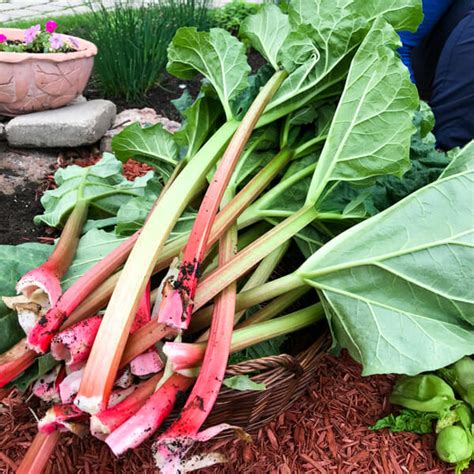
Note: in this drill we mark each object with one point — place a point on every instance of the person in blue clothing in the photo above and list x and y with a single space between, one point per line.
440 58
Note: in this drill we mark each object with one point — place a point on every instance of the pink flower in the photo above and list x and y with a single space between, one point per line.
3 38
50 26
56 41
32 33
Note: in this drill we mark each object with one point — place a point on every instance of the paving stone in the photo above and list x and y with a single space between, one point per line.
70 126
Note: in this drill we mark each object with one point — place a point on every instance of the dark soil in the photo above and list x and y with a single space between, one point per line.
169 88
16 216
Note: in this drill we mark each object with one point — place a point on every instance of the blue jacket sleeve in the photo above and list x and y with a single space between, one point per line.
433 10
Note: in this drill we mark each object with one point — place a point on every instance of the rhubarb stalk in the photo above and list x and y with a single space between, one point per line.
177 306
110 419
184 355
106 353
39 453
149 417
184 431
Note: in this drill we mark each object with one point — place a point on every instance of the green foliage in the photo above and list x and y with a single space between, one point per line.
410 421
102 184
364 278
231 15
217 55
243 383
426 393
132 42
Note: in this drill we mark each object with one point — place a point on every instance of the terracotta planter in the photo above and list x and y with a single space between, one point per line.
30 82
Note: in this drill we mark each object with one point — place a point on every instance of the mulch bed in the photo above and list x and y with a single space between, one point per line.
324 432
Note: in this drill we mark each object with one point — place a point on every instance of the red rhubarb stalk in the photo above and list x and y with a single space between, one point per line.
39 453
110 419
173 445
73 345
149 417
177 304
15 361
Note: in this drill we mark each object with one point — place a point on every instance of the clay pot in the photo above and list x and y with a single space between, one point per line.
30 82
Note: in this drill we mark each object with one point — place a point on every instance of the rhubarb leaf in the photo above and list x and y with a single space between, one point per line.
10 331
402 15
217 55
243 383
152 145
103 184
42 365
403 304
371 131
325 35
463 160
267 31
200 119
92 248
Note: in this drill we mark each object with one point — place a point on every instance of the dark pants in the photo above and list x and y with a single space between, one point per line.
444 71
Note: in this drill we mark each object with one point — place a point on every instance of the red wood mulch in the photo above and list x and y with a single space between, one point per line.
324 432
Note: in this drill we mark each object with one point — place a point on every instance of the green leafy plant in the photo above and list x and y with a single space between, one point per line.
230 16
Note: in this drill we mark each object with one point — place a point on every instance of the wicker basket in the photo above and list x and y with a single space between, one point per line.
286 378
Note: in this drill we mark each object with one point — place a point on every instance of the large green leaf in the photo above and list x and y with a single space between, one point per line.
200 119
153 145
401 14
371 130
325 35
267 31
217 55
398 288
103 184
463 160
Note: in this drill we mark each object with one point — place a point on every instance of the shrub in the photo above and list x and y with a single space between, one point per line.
231 15
132 42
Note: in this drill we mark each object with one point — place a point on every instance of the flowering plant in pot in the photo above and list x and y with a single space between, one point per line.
41 69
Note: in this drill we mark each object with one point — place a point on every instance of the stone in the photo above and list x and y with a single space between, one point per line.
70 126
18 168
3 135
145 116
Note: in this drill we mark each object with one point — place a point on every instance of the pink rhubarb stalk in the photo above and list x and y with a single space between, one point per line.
15 361
173 445
110 419
149 417
39 453
41 335
73 345
177 304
